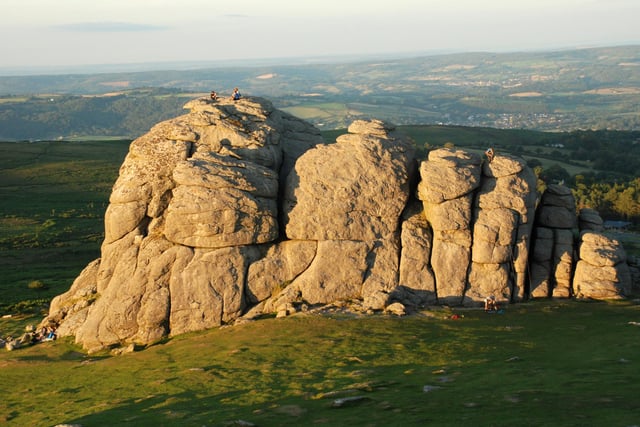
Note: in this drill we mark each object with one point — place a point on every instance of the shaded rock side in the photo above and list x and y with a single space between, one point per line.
416 275
589 219
556 224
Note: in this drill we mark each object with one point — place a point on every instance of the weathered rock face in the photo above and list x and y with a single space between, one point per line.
481 215
556 224
237 209
504 216
449 179
349 197
195 199
354 189
602 271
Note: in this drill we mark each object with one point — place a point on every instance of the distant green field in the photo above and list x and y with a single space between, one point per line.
52 201
10 99
552 91
317 110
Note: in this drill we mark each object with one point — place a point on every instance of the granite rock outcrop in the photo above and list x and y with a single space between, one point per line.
237 209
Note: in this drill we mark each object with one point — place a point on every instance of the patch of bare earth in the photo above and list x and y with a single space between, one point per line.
526 94
614 91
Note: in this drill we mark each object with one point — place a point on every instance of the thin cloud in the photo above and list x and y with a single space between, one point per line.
110 27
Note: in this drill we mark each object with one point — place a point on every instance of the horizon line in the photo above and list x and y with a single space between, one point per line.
194 64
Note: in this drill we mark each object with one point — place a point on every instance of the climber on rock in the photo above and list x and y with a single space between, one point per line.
490 154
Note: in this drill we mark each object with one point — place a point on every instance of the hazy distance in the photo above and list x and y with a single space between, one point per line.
70 33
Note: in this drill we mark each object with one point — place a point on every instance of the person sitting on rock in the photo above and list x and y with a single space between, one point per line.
236 94
214 95
490 304
42 333
51 334
490 154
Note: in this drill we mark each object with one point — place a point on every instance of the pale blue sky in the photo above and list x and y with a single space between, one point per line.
80 32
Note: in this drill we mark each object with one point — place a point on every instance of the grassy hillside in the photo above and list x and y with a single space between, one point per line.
539 364
53 196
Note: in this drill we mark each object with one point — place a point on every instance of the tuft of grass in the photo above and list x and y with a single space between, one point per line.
542 363
36 285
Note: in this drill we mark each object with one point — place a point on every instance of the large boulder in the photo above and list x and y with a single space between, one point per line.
354 189
349 197
602 271
502 227
220 201
196 198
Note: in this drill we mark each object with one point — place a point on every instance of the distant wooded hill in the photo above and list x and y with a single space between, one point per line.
126 114
560 91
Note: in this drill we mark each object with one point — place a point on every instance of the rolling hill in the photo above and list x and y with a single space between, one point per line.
567 90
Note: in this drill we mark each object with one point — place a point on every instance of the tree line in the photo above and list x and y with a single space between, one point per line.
619 200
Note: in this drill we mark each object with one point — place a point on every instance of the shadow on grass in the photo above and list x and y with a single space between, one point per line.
188 408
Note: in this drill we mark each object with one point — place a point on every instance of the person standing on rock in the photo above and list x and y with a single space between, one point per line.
490 154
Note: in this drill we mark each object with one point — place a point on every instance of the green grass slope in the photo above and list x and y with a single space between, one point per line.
53 196
545 363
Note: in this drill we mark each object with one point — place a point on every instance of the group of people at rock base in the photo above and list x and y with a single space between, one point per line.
46 333
235 95
490 304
